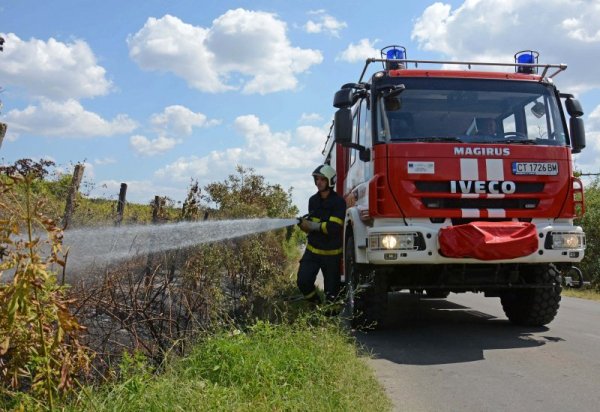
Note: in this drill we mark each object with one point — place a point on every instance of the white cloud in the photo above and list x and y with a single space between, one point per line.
52 69
105 161
359 52
10 136
213 164
430 30
170 45
143 146
324 23
286 158
561 30
248 43
179 121
173 123
310 118
594 118
311 136
65 119
273 150
579 29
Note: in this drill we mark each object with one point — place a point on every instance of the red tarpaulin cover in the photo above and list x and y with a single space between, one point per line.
489 240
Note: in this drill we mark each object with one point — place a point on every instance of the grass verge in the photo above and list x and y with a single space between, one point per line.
581 293
310 364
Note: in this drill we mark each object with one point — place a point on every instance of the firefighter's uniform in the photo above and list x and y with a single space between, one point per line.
324 248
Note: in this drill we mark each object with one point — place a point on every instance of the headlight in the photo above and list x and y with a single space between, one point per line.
565 240
389 241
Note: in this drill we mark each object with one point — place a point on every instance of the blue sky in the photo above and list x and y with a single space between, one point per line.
156 93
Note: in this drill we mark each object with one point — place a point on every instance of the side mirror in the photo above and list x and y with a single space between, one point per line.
342 126
573 107
577 134
392 90
343 131
538 110
343 98
364 154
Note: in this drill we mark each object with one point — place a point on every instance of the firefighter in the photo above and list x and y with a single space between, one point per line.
486 127
324 225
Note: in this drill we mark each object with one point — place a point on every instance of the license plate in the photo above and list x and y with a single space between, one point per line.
535 168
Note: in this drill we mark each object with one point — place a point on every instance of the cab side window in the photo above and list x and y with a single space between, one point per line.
364 132
355 132
509 124
539 126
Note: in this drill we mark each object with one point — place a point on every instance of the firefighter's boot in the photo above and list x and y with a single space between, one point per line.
313 298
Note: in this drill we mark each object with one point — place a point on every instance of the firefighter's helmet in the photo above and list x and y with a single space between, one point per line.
327 172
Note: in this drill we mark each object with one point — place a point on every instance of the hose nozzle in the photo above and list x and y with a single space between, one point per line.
300 218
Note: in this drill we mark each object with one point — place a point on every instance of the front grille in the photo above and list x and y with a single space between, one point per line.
444 187
461 203
464 220
507 203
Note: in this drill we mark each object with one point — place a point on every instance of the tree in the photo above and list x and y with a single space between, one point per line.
247 195
256 266
591 225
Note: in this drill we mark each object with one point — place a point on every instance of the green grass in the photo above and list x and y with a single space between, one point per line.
308 365
590 294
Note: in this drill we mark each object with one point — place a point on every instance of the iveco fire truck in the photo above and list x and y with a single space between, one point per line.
458 177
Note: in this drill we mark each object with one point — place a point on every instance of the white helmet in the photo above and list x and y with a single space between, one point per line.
327 172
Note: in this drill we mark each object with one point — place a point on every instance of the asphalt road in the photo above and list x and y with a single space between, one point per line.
462 354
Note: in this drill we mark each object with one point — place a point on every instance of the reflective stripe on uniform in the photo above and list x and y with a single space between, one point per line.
324 228
336 220
324 252
311 294
332 219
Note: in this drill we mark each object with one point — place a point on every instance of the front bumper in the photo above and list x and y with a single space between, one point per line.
555 244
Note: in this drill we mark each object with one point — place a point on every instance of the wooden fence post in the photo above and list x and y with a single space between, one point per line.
3 128
156 208
73 190
121 204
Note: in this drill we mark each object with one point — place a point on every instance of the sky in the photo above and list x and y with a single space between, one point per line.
157 93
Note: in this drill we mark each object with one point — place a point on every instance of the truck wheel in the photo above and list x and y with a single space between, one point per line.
366 292
537 306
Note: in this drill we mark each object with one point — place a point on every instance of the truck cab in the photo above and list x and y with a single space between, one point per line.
457 178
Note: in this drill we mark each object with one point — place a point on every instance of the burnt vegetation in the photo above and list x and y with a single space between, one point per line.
58 331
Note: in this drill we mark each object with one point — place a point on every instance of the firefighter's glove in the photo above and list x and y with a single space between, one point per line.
309 226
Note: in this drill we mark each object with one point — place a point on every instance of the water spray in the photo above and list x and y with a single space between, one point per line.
100 246
96 247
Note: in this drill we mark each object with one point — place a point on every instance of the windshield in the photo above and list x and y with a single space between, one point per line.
469 110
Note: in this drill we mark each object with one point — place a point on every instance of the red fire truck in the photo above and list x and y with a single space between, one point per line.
458 178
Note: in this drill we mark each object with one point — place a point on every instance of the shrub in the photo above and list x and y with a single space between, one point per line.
40 351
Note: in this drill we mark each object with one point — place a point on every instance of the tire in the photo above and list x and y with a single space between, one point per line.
366 292
437 293
537 306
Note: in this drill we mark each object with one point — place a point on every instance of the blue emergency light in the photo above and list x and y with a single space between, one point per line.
393 52
526 57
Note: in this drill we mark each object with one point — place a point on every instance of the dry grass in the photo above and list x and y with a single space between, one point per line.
589 294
